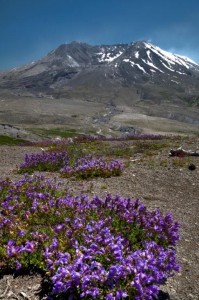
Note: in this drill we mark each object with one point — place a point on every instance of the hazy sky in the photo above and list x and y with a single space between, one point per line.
29 29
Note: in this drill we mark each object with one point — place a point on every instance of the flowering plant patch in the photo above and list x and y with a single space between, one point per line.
84 167
89 166
45 161
91 248
126 136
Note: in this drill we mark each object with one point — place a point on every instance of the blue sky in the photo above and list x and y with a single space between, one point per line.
29 29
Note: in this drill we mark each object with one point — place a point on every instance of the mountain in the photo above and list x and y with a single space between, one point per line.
138 76
128 64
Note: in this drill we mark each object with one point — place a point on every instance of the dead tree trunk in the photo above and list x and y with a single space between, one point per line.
181 152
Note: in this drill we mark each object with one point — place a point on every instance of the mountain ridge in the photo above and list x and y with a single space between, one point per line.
138 77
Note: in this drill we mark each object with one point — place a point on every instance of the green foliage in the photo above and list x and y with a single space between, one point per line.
137 234
64 133
149 148
54 132
181 161
118 151
7 140
33 260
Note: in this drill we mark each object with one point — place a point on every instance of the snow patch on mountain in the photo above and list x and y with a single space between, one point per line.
169 57
181 73
72 62
159 60
167 67
149 54
141 68
134 64
137 54
175 81
108 57
151 65
187 59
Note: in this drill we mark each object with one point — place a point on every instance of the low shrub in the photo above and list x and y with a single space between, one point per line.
91 248
8 140
45 161
88 167
83 167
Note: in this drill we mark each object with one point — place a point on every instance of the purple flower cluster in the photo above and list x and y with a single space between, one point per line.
83 167
106 263
126 136
89 166
45 161
99 248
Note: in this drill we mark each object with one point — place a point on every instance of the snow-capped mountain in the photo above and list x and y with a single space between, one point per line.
150 59
81 84
139 65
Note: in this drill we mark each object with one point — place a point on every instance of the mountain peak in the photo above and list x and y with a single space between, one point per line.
139 75
130 64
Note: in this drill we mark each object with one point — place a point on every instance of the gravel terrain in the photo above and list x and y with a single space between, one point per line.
157 182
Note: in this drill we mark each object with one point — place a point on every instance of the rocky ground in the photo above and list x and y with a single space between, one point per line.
159 181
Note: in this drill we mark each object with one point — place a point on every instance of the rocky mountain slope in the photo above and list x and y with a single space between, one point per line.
138 75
